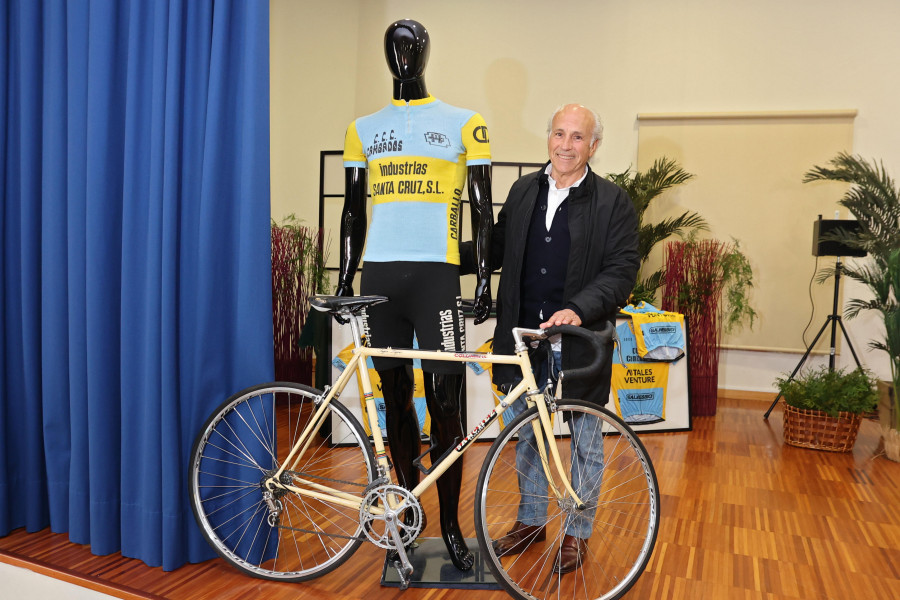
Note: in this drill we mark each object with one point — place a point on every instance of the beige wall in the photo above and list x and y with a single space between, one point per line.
312 56
748 183
515 60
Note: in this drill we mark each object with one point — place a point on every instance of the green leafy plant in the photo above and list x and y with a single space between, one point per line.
706 272
830 391
874 200
643 187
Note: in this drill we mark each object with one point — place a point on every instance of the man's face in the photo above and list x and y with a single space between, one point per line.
569 144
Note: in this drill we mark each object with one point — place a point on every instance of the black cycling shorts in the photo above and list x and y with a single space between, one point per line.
425 301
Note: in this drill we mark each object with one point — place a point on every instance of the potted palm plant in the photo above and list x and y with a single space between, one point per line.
642 188
823 407
874 200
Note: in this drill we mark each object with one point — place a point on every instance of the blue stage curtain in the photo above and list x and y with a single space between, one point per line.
135 258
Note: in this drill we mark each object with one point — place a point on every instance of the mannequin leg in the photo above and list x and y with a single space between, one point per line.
402 423
444 394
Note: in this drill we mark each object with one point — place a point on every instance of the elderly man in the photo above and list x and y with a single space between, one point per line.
567 242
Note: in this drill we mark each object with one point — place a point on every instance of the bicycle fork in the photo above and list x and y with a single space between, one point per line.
543 437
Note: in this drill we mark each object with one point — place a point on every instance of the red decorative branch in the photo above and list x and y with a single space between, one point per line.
694 282
297 259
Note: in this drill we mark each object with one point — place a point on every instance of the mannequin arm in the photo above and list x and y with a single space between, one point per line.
353 228
482 223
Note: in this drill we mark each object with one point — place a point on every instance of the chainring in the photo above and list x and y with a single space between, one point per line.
386 504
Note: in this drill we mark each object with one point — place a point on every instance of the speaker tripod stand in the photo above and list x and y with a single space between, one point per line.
834 319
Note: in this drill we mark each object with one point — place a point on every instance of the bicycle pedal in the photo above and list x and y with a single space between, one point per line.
404 582
404 573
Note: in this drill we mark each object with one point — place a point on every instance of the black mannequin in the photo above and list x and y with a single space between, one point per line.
406 45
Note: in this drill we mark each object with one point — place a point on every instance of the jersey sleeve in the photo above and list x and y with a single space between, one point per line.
476 141
354 156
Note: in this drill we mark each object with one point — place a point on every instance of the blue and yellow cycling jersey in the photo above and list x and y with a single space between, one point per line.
416 154
660 334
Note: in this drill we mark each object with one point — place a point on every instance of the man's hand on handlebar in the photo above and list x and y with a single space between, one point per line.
597 339
566 316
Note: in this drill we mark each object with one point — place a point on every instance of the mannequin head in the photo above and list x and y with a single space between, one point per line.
406 47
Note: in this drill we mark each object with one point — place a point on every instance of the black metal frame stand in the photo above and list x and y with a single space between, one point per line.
835 319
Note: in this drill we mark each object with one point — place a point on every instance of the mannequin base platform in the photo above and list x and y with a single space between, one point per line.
432 568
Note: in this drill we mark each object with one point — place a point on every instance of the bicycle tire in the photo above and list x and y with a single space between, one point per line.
240 445
626 499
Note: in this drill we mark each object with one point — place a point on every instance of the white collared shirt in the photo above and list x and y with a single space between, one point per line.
555 196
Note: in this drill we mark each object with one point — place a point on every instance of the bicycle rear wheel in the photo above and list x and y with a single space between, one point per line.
241 445
614 477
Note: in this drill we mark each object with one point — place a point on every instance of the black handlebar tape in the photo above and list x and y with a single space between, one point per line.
597 340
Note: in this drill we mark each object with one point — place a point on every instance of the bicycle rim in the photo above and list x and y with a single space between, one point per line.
623 491
241 445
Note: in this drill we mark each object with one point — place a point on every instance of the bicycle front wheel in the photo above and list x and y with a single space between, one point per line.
615 527
241 445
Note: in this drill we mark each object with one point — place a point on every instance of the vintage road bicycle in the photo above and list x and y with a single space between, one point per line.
286 484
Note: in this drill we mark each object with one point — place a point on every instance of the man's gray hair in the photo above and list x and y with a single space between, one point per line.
596 134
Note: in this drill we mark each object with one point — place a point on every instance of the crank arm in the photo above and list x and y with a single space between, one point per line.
403 566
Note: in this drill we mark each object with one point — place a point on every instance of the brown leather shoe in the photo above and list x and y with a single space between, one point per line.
571 554
519 538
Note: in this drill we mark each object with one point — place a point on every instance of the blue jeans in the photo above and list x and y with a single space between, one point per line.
587 465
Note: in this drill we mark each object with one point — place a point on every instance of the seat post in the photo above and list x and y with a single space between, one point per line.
355 328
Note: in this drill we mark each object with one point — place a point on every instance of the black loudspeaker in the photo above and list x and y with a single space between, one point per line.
823 227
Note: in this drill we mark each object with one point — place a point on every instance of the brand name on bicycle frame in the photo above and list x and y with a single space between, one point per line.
472 355
478 429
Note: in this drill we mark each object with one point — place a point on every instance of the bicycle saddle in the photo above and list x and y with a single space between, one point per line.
352 304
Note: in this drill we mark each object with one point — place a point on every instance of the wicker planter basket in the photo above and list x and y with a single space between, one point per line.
815 429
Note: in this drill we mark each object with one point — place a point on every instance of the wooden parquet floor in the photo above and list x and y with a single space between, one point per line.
743 517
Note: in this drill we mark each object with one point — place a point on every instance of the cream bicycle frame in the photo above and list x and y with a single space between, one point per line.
357 366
